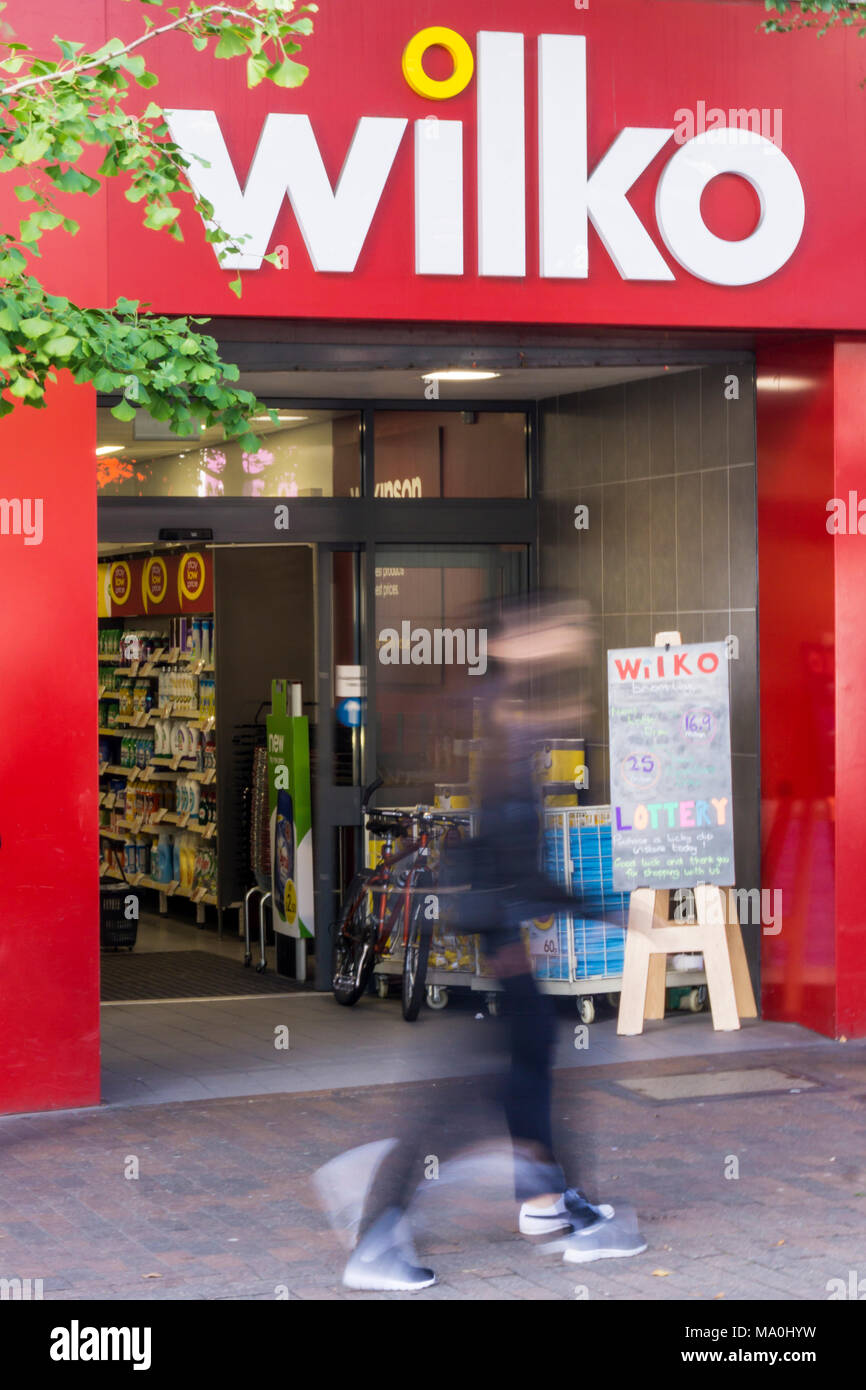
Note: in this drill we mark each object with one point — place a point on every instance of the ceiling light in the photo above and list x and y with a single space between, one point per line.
110 449
460 374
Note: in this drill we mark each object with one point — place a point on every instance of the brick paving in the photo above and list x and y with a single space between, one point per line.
223 1209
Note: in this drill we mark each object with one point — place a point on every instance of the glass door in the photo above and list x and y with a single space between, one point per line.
430 644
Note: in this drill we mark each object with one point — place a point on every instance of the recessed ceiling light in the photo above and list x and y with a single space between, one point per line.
460 374
110 448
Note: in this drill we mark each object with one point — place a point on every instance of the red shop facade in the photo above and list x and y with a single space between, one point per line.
654 183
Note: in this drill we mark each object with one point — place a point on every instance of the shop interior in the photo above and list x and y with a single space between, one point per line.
192 632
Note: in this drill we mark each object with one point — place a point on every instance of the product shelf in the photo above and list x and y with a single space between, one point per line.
154 827
171 890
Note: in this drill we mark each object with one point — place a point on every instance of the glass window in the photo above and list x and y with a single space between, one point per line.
432 658
307 453
465 453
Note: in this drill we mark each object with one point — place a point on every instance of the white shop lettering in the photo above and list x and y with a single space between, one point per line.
335 221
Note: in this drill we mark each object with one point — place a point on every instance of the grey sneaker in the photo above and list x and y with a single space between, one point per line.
570 1213
611 1237
343 1183
384 1260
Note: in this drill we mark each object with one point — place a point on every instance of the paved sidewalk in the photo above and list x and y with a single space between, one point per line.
196 1050
222 1207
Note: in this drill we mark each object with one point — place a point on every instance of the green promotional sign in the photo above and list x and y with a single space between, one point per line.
290 816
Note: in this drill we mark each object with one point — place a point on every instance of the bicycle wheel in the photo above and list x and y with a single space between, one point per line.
354 943
417 951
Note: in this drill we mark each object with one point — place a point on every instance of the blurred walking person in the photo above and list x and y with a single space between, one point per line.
497 886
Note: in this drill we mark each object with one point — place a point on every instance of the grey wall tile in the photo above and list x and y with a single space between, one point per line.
589 423
744 538
744 684
613 546
688 542
639 630
611 405
714 535
714 418
637 428
588 548
687 421
662 416
741 418
663 560
638 594
690 626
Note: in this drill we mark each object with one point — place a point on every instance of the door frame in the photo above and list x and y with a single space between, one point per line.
363 524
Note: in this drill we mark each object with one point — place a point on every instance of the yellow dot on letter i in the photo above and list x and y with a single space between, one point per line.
459 52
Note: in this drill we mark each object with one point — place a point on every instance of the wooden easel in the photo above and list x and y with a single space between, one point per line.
651 937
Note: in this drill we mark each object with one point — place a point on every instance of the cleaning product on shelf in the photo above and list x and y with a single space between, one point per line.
163 858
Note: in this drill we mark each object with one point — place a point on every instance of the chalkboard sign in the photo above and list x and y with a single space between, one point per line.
670 766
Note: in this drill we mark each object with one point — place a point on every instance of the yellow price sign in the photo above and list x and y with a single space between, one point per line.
290 903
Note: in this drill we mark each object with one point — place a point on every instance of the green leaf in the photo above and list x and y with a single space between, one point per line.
232 43
35 327
32 147
69 50
257 69
157 218
123 411
74 181
288 73
62 346
235 286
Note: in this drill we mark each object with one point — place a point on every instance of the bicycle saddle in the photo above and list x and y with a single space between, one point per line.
381 828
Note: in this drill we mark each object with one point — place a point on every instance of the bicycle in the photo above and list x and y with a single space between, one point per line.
389 903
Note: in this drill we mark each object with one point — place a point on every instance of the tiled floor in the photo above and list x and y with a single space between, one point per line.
157 933
195 1051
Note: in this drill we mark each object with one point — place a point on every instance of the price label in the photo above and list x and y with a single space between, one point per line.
173 654
134 774
183 820
103 768
159 815
209 776
136 824
148 772
110 799
172 887
168 709
210 830
198 894
175 762
135 878
101 798
133 668
101 691
157 654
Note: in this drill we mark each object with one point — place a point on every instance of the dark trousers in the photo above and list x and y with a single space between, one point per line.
527 1028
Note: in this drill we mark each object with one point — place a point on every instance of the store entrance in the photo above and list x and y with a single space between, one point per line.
190 640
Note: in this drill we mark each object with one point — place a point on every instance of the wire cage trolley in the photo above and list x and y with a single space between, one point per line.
577 955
